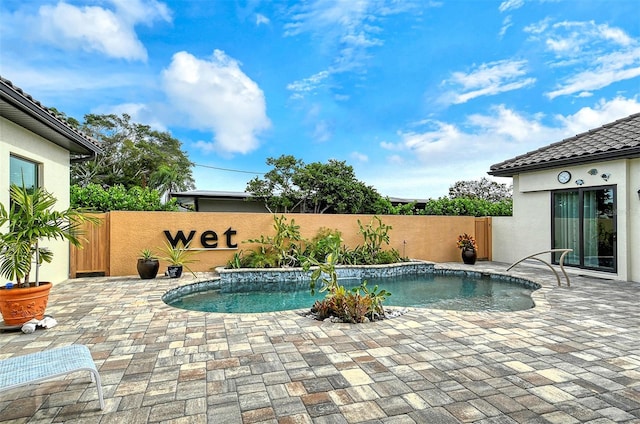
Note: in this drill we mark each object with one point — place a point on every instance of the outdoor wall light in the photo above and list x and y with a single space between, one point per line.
605 176
579 182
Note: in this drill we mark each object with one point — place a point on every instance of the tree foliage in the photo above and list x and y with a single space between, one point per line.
317 187
277 189
118 198
467 207
481 189
133 155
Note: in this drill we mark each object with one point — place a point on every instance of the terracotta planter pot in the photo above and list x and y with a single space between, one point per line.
19 305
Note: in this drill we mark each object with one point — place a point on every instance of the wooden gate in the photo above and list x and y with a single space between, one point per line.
92 259
483 238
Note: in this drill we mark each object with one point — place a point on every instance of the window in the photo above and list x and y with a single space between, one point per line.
584 220
22 171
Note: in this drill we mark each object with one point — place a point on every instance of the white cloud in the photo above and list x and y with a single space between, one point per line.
510 5
345 29
578 38
322 131
93 28
486 80
262 20
307 85
603 112
139 112
604 71
442 153
359 157
600 55
616 35
142 11
506 24
216 95
538 27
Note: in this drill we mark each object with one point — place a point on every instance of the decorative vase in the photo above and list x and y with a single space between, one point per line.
469 256
148 268
19 305
174 271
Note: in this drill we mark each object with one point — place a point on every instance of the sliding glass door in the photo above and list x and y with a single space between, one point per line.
584 220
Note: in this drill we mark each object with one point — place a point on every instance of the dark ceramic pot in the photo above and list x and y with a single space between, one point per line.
148 268
469 256
174 271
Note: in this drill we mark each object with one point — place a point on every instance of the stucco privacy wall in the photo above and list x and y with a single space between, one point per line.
420 237
633 237
529 230
54 176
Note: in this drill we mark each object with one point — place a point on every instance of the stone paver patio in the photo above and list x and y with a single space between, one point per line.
574 358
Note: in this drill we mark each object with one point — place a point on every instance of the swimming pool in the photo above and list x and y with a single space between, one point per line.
461 292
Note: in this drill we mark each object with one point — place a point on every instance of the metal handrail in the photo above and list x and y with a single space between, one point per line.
561 262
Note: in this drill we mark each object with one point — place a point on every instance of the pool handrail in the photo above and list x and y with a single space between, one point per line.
560 262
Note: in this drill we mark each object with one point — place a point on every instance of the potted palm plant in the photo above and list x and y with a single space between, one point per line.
148 264
30 218
179 257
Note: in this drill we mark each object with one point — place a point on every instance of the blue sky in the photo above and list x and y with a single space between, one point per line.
415 95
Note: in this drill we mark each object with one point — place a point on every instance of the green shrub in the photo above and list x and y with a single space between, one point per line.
355 306
287 248
324 242
467 207
284 248
117 198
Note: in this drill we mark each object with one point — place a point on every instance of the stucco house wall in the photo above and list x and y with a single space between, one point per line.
633 213
529 229
23 122
54 166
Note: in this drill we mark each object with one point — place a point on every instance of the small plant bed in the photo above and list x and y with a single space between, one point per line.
358 305
322 311
388 314
287 248
320 256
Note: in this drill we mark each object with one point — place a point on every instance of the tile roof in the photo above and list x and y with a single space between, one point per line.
22 109
616 140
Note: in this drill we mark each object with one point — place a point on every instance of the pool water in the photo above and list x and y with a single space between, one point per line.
451 292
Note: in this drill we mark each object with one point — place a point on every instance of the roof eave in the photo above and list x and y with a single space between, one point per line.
19 109
596 157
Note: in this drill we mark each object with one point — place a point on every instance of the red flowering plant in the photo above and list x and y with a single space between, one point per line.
465 241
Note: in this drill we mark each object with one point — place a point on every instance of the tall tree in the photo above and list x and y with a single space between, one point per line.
333 187
133 155
483 189
277 189
318 187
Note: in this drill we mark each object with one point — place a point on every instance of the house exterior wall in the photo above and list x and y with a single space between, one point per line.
226 205
529 229
633 237
54 176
